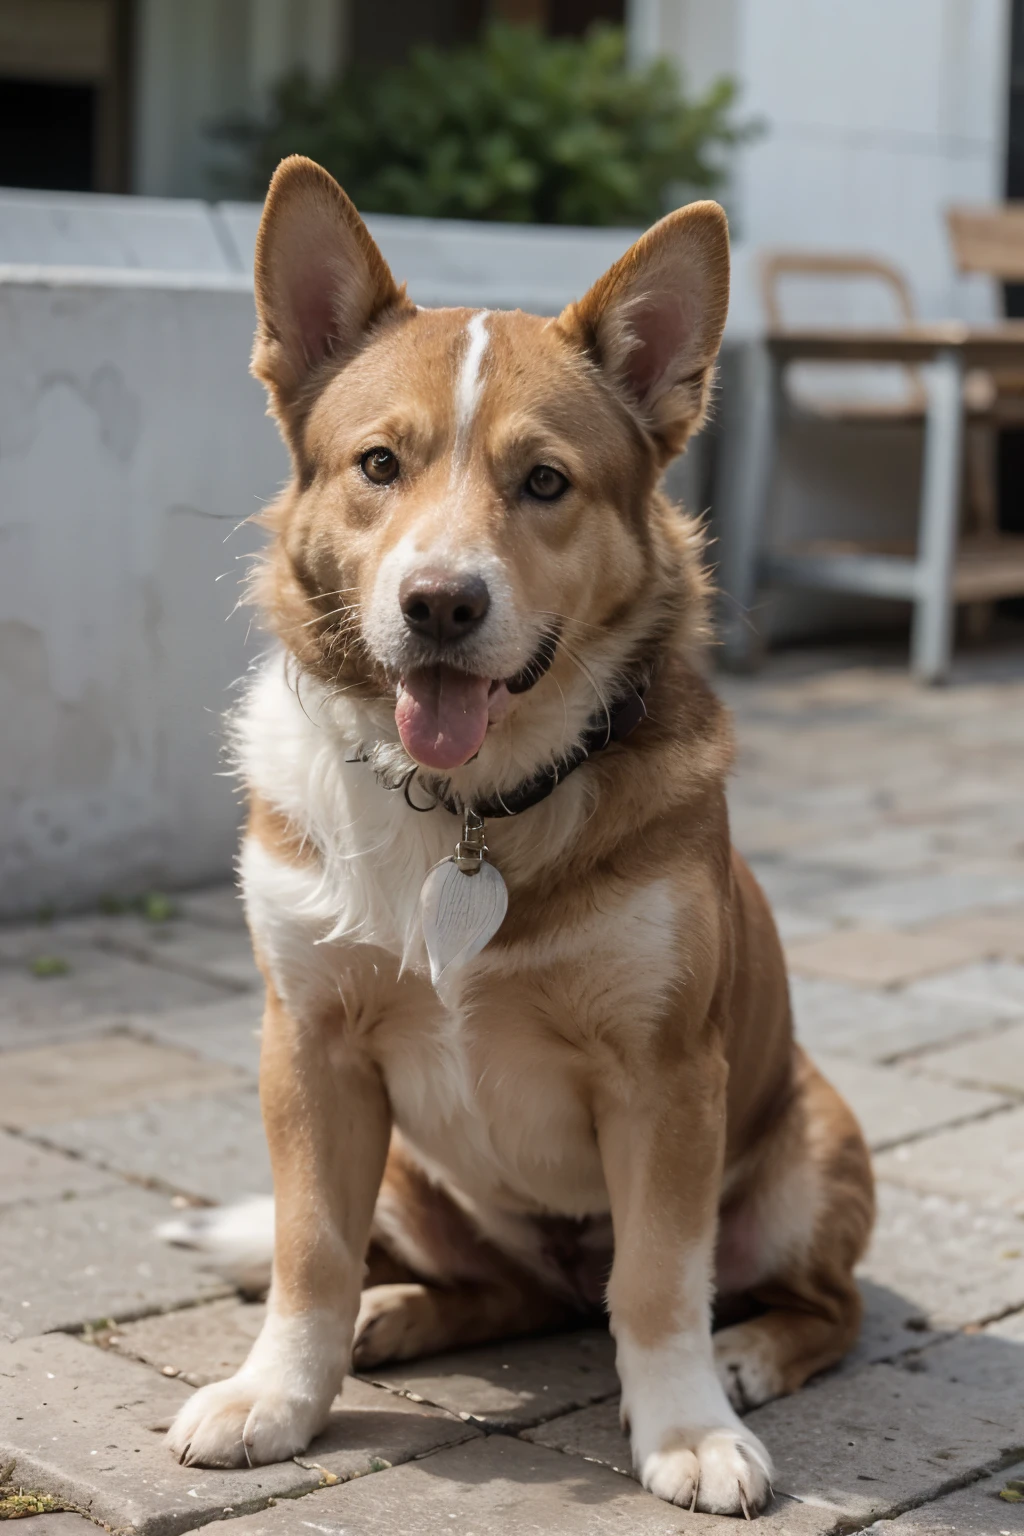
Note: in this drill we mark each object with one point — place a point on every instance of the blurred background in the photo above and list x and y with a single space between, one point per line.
505 152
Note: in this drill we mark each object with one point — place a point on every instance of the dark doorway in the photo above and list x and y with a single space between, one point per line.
383 31
65 77
47 135
573 17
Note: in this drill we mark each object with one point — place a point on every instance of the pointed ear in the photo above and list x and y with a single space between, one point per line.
654 321
320 280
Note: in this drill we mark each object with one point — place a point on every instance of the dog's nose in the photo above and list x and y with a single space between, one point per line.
443 607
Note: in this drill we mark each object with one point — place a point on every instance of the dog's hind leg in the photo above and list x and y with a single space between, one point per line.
404 1321
790 1243
434 1283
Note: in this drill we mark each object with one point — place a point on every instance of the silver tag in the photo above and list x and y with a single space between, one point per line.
463 903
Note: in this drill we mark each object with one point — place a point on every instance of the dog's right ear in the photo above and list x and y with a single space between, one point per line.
320 280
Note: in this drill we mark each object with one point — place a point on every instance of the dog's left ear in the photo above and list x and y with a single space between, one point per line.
654 321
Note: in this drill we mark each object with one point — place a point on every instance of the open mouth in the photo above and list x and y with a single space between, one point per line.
443 713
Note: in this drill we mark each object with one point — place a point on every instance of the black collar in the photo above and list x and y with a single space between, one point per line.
619 721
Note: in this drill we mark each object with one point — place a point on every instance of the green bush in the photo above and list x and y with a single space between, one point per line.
518 127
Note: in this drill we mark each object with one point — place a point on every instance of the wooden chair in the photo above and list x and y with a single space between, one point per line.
911 404
908 403
991 241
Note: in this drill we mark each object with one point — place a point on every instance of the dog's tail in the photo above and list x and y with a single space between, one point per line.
237 1240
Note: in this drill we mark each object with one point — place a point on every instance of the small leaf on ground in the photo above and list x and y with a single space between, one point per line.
49 965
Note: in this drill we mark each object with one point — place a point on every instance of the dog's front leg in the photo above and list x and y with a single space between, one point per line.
328 1123
661 1139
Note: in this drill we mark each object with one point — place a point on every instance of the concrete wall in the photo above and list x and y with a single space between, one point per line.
133 442
877 114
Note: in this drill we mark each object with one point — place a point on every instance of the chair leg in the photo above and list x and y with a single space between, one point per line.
931 640
982 509
746 466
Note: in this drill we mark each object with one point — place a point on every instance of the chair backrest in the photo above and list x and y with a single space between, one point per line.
825 264
845 274
989 240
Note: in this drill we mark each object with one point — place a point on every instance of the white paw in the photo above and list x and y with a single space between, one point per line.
244 1421
745 1363
720 1471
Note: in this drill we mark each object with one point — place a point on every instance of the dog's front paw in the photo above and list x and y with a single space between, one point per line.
720 1471
243 1422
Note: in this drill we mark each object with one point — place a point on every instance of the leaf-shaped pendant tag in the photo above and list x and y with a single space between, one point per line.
461 914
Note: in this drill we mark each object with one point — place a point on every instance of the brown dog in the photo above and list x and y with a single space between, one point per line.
484 601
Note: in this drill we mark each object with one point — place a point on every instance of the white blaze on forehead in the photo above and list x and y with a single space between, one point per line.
467 388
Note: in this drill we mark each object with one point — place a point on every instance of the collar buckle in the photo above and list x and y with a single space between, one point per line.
471 849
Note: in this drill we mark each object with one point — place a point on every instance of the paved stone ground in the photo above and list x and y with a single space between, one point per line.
887 824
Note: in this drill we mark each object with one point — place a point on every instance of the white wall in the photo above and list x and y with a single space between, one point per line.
877 115
133 443
198 62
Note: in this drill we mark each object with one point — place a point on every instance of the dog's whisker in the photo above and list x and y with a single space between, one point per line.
591 679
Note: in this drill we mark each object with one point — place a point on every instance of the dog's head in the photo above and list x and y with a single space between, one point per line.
472 533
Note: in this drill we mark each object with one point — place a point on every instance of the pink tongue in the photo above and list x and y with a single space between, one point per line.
441 715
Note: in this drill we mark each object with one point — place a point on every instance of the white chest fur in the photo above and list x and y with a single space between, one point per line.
494 1096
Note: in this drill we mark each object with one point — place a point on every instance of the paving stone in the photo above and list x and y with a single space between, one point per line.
218 905
799 925
760 832
62 1525
512 1385
855 1446
880 957
211 1147
951 1262
493 1487
893 1104
925 898
198 1344
973 1511
995 987
892 1325
869 1443
70 1262
214 954
994 1060
885 849
43 1087
227 1031
991 1363
876 1026
88 1428
28 1172
97 987
197 937
1009 1327
791 884
999 934
982 1161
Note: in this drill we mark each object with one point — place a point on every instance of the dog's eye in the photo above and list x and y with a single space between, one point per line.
545 483
379 465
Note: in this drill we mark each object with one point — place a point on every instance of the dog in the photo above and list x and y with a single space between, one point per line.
527 1051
